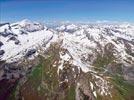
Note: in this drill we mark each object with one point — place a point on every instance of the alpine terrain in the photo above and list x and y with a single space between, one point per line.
66 62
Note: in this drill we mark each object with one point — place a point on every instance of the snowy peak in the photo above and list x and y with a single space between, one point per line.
67 28
25 21
29 26
18 37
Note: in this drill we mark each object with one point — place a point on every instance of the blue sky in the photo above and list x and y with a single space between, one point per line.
67 10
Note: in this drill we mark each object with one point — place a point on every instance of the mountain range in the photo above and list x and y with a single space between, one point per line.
66 62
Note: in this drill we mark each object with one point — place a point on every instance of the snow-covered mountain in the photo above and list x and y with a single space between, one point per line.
18 38
92 59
